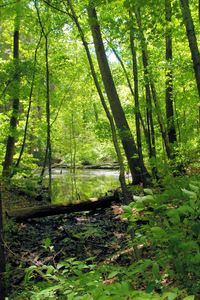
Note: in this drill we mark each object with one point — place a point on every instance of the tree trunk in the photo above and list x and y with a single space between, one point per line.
117 111
137 106
105 107
50 210
151 84
2 253
10 145
150 135
191 35
171 131
48 153
131 90
48 116
29 107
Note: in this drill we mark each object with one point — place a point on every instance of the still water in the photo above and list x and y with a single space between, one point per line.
84 184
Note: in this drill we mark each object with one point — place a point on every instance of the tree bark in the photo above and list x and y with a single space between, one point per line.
137 105
48 152
117 111
131 89
191 35
105 107
50 210
150 135
10 145
171 131
29 107
148 78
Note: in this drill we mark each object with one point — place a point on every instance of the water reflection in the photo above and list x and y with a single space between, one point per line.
68 187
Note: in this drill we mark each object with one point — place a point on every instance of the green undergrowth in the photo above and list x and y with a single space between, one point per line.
164 242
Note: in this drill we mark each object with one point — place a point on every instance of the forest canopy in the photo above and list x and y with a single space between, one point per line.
56 71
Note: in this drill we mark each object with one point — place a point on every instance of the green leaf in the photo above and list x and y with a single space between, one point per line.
185 209
144 199
158 232
169 296
173 214
195 259
138 198
191 195
194 188
46 243
155 270
150 287
113 274
148 191
191 297
127 209
148 198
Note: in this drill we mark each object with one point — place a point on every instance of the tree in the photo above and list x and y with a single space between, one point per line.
117 111
29 106
136 98
103 102
192 40
10 145
48 153
171 131
148 77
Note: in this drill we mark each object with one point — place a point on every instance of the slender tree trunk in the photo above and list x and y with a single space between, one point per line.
137 106
171 131
151 131
150 135
103 102
96 112
48 116
131 89
191 35
29 105
48 153
199 10
151 84
44 163
117 111
2 252
10 145
73 148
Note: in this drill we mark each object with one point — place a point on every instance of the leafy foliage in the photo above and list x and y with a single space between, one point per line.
170 227
164 238
73 279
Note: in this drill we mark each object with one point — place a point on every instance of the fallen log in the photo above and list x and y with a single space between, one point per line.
50 210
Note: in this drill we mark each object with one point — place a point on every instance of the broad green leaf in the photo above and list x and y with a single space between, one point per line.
146 199
194 188
148 191
191 297
113 274
127 209
190 194
169 296
138 198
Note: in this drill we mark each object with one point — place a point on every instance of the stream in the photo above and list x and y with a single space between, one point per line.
84 184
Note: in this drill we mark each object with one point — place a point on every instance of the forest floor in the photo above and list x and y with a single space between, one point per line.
100 237
101 234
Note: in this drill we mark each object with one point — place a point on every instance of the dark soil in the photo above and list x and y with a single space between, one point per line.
48 240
